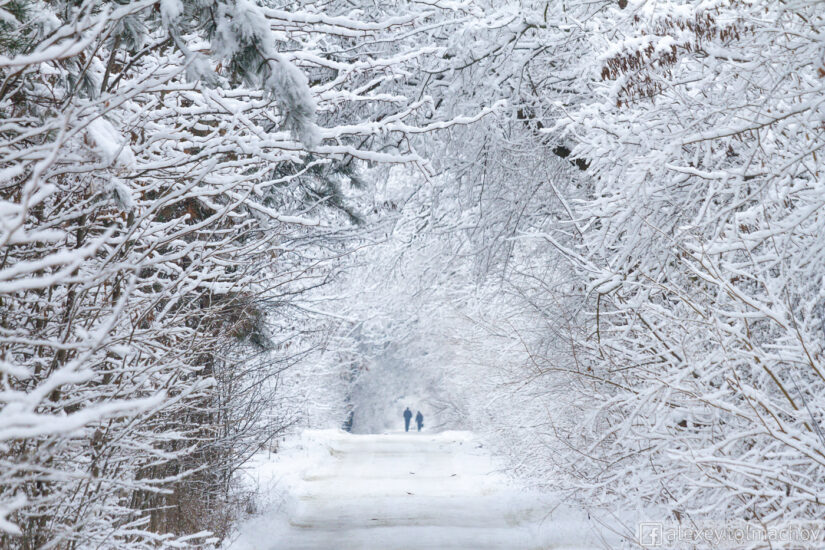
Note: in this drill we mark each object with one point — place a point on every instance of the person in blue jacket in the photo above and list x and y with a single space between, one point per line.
419 420
407 418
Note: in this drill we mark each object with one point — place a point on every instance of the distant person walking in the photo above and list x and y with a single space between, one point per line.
407 418
419 419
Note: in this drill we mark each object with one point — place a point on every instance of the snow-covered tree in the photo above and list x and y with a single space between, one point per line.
643 222
174 178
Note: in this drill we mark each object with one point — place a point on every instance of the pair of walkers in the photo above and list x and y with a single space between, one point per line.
419 419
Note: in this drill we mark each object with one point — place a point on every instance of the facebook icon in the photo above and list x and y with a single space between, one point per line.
650 534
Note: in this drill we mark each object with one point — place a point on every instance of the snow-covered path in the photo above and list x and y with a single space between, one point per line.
405 491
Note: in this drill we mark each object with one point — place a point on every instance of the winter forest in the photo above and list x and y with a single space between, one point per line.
590 232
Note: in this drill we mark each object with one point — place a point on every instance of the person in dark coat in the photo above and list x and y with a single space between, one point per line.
407 418
419 419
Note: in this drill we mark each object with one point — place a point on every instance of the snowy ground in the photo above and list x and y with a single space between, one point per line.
330 490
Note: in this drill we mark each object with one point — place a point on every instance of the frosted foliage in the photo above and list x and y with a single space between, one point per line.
111 146
167 243
590 233
243 35
290 86
623 268
170 11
